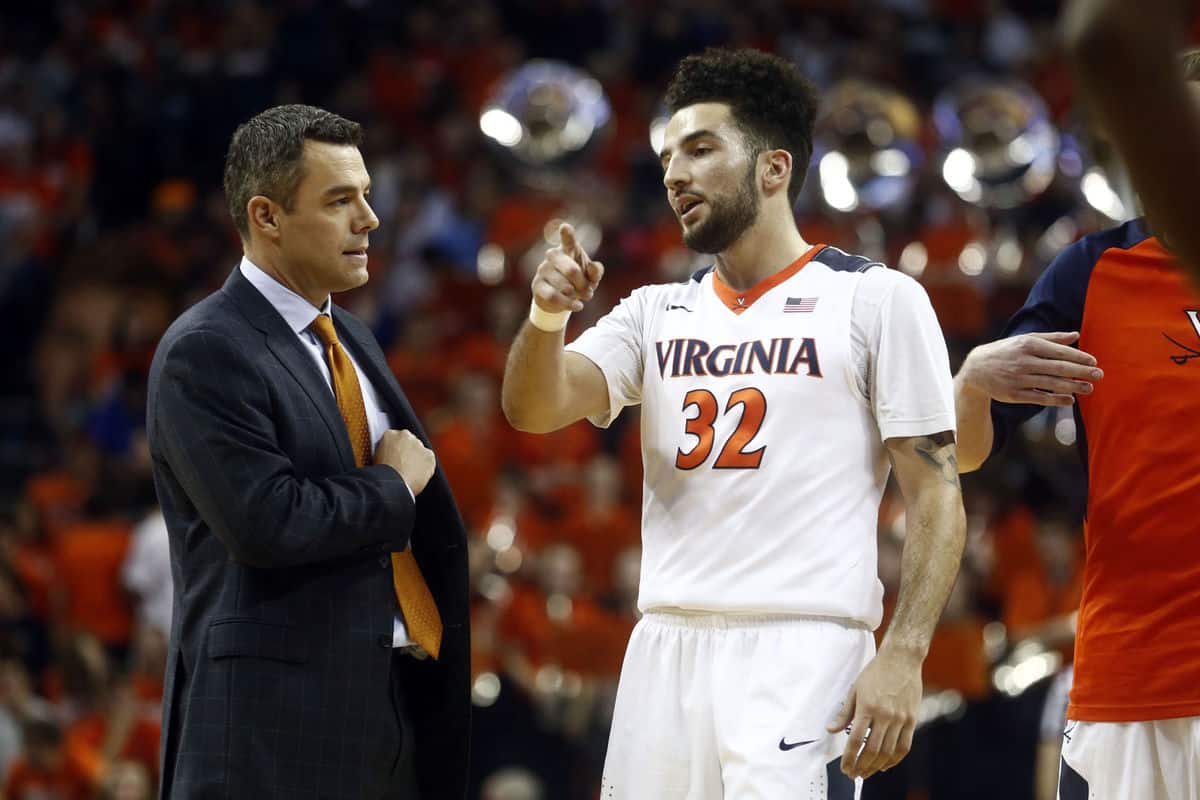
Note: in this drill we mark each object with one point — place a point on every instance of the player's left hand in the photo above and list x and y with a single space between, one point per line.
882 702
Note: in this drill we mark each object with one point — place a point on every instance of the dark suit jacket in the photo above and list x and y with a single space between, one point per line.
278 674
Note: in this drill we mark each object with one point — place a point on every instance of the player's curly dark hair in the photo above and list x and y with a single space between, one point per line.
773 104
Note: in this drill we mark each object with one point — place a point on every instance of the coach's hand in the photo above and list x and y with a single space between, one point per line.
567 278
1039 368
884 701
404 452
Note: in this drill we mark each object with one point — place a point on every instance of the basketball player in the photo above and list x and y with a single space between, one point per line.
775 388
1133 727
1124 59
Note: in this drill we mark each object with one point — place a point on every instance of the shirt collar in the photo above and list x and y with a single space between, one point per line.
297 312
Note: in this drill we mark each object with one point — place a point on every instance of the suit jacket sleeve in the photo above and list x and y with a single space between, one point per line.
213 418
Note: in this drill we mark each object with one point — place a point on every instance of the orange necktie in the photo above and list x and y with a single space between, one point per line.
420 611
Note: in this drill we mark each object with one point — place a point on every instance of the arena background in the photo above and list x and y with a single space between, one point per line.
949 146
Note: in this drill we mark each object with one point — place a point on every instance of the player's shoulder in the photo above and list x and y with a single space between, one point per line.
1123 237
874 280
869 275
838 260
1082 254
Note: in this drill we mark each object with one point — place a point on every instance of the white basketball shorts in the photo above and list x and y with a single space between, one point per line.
720 706
1157 760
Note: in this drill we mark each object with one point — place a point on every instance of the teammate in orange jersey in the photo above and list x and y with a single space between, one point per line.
775 387
1133 726
1123 52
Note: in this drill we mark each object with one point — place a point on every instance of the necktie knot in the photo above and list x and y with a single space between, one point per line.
322 326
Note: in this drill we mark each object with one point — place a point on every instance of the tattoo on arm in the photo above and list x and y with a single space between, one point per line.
935 452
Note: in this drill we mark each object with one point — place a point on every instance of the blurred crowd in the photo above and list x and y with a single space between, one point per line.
114 118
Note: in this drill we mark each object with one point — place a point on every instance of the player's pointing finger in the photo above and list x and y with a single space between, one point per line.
570 245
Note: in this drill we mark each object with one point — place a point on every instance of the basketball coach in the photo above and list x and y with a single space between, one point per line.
319 647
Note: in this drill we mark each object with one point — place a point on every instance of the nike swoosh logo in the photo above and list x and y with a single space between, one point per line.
784 746
678 308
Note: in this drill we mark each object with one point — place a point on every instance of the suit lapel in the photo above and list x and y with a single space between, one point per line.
285 345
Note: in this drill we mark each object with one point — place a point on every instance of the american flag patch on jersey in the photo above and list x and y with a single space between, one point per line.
799 304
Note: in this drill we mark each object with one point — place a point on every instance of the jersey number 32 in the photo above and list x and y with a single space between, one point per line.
733 453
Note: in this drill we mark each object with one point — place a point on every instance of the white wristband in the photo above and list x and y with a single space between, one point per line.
548 321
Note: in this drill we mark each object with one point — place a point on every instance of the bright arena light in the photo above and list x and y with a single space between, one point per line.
1020 151
501 535
834 170
1008 256
1025 672
576 132
892 163
958 170
834 166
509 561
972 259
501 126
1100 195
913 259
489 264
485 690
841 195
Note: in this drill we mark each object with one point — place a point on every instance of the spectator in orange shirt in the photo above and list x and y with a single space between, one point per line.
88 557
485 349
118 730
469 445
516 519
957 660
44 772
565 651
602 525
110 723
418 360
1041 599
31 556
57 496
553 629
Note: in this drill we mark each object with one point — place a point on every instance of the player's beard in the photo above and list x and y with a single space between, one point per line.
729 216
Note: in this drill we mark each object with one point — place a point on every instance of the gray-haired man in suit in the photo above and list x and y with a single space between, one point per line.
319 647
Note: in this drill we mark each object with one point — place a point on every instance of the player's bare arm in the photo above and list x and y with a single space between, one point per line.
544 387
884 700
1125 60
1039 368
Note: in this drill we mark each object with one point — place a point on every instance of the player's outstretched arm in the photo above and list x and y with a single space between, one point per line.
1034 368
885 698
1125 56
544 387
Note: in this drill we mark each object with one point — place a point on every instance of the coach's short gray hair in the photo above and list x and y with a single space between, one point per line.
266 155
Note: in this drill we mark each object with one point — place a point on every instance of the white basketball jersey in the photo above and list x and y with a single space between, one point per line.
764 463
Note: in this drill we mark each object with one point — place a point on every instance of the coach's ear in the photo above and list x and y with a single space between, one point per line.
263 215
776 171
